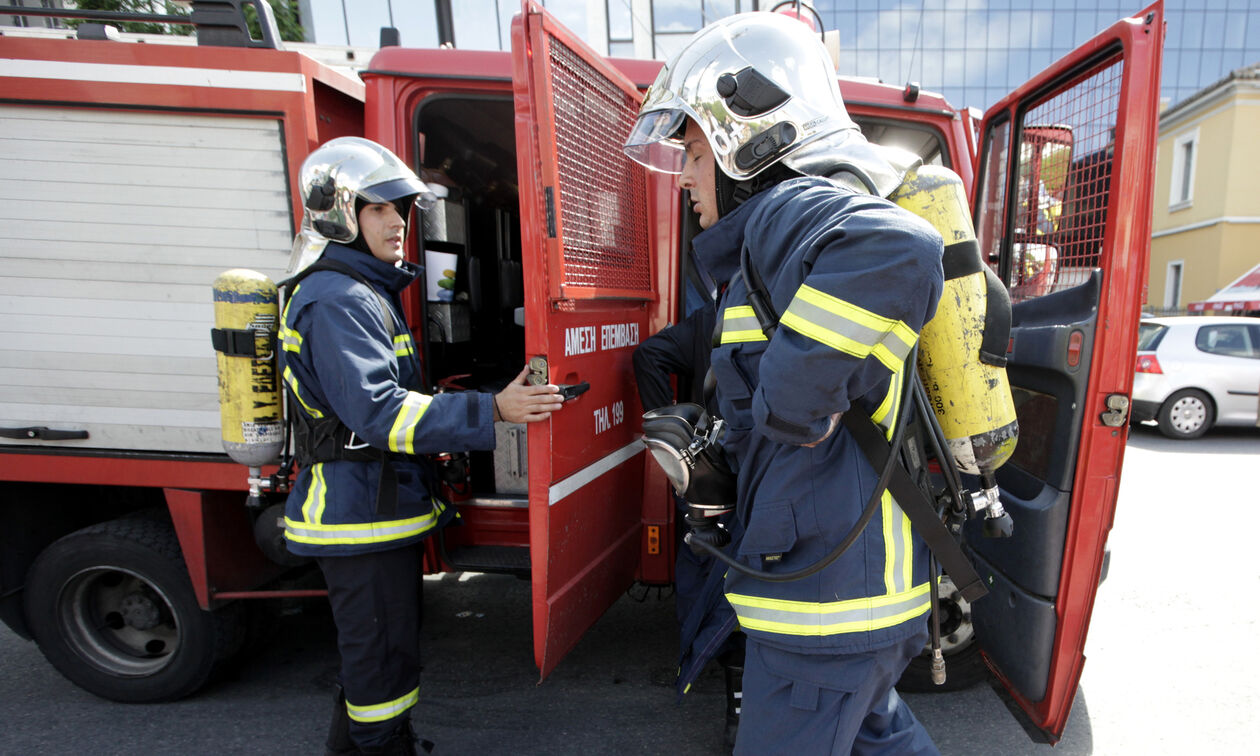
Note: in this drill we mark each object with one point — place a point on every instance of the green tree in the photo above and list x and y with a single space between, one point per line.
285 11
136 6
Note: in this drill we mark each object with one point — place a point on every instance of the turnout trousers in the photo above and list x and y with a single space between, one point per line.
810 704
376 600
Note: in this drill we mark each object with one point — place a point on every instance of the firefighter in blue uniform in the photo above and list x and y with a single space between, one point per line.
750 115
362 503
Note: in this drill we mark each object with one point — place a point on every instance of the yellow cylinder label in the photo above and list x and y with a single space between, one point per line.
971 399
249 390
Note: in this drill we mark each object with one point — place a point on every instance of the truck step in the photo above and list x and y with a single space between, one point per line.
512 560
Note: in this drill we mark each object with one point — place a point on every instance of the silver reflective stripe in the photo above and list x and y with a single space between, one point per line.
290 339
740 324
862 335
381 712
896 546
402 434
805 618
306 532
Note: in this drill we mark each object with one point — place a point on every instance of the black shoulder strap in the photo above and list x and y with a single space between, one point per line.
916 506
391 324
923 516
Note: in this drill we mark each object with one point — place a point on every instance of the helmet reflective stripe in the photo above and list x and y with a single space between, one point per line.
760 86
383 711
848 328
343 170
830 618
360 533
402 435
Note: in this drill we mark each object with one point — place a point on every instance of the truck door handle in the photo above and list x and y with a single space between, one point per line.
573 390
41 433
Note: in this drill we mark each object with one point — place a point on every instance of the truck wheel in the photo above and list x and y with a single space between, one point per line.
1186 414
112 608
963 665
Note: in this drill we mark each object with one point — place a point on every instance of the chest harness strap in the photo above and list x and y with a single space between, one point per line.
327 439
884 458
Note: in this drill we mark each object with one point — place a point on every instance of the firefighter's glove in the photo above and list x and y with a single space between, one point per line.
520 402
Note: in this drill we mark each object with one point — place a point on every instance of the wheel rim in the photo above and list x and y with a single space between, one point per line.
118 621
957 631
1187 414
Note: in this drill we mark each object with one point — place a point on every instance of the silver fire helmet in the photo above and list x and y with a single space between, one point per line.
760 85
344 169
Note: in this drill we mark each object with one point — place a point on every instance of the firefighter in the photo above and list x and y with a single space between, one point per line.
705 619
364 501
749 114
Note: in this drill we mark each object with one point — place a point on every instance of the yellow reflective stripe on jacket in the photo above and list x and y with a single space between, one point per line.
403 435
290 339
739 324
358 533
403 345
830 618
316 495
848 328
291 379
898 546
886 413
383 711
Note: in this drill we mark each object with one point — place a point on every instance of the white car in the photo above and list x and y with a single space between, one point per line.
1194 372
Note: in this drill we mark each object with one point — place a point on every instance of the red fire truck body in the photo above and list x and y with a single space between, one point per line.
168 164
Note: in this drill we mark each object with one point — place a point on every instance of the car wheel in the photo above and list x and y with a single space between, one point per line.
1186 414
963 665
112 608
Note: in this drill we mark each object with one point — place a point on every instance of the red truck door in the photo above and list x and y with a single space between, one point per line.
1063 211
589 282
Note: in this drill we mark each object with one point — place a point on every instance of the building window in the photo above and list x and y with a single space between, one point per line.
1185 156
1172 286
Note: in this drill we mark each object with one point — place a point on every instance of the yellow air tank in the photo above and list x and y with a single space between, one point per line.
246 318
962 360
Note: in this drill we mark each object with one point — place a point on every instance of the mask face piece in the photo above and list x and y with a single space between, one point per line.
687 443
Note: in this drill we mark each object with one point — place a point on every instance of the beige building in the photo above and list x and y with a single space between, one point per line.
1205 232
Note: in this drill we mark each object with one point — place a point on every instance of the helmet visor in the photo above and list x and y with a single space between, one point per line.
655 142
397 188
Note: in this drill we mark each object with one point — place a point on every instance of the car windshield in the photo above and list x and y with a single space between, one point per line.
1149 335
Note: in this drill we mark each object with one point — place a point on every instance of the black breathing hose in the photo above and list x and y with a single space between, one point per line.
911 377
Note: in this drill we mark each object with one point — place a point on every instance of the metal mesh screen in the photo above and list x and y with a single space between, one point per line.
603 197
1065 150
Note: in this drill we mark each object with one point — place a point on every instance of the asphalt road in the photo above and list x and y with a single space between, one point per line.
1172 666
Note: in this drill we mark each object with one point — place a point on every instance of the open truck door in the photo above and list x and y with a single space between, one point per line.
1063 211
589 283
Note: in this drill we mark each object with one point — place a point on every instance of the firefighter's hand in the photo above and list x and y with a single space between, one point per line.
831 428
519 402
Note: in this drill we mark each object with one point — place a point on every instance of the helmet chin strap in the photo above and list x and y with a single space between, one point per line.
732 193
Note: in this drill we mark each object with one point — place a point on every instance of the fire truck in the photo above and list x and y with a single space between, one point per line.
137 172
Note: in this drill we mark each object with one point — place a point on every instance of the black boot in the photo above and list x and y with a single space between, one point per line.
734 700
401 743
339 742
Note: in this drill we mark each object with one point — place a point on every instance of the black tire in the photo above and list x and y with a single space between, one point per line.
112 608
1186 414
963 665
